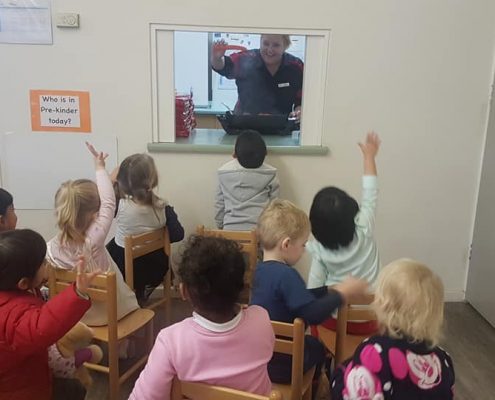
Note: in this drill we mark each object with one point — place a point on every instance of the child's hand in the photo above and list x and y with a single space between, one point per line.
351 288
371 145
84 279
99 157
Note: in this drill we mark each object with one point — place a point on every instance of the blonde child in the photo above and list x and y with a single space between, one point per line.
140 210
404 360
222 343
283 230
343 231
28 325
84 213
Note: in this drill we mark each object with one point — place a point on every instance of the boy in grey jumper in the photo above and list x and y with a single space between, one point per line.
245 184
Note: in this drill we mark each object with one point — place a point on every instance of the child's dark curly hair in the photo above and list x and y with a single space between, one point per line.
212 269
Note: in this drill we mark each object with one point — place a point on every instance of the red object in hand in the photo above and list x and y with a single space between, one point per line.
230 47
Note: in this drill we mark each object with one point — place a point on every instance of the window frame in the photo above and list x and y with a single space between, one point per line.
163 78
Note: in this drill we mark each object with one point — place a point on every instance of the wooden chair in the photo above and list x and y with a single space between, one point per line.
202 391
140 245
289 339
104 289
249 245
339 343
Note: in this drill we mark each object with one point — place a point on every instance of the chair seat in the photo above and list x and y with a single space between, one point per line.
127 325
286 389
328 338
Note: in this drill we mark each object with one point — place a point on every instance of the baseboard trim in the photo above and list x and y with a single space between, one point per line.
455 296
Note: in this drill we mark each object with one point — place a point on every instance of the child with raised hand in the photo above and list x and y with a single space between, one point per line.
140 210
344 242
246 184
28 325
403 361
61 367
283 230
344 232
85 211
222 343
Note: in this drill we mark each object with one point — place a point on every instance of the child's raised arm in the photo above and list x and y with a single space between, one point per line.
99 228
99 157
370 149
366 216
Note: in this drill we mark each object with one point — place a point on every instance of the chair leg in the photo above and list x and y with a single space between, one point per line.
167 294
149 336
113 364
167 311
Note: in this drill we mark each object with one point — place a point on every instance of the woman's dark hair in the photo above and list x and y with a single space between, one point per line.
332 217
6 200
22 253
250 149
212 269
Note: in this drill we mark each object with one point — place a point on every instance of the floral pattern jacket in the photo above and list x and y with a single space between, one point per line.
386 368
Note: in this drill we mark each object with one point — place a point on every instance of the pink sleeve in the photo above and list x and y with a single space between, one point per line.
155 382
98 230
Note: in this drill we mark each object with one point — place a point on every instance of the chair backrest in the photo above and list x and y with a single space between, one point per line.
139 245
246 239
202 391
289 339
350 312
103 290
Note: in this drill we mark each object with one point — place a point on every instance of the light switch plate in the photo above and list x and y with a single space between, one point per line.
67 20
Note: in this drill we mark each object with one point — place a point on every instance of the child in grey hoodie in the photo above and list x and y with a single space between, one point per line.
245 184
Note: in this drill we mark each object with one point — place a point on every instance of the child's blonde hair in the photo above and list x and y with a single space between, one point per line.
281 219
76 202
137 177
409 302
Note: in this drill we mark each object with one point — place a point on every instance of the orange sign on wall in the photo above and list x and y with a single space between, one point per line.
60 110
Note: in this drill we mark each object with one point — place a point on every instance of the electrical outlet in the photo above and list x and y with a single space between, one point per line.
67 20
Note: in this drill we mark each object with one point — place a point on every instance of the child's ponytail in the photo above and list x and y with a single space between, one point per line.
137 178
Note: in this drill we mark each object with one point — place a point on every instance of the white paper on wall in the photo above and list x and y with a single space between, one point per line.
33 165
25 21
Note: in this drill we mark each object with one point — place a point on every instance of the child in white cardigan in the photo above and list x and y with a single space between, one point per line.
140 210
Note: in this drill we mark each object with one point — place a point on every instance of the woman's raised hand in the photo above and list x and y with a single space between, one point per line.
219 49
99 157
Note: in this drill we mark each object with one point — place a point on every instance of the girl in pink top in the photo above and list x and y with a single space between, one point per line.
222 343
85 212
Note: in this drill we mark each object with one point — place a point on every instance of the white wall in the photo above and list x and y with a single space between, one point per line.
417 72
